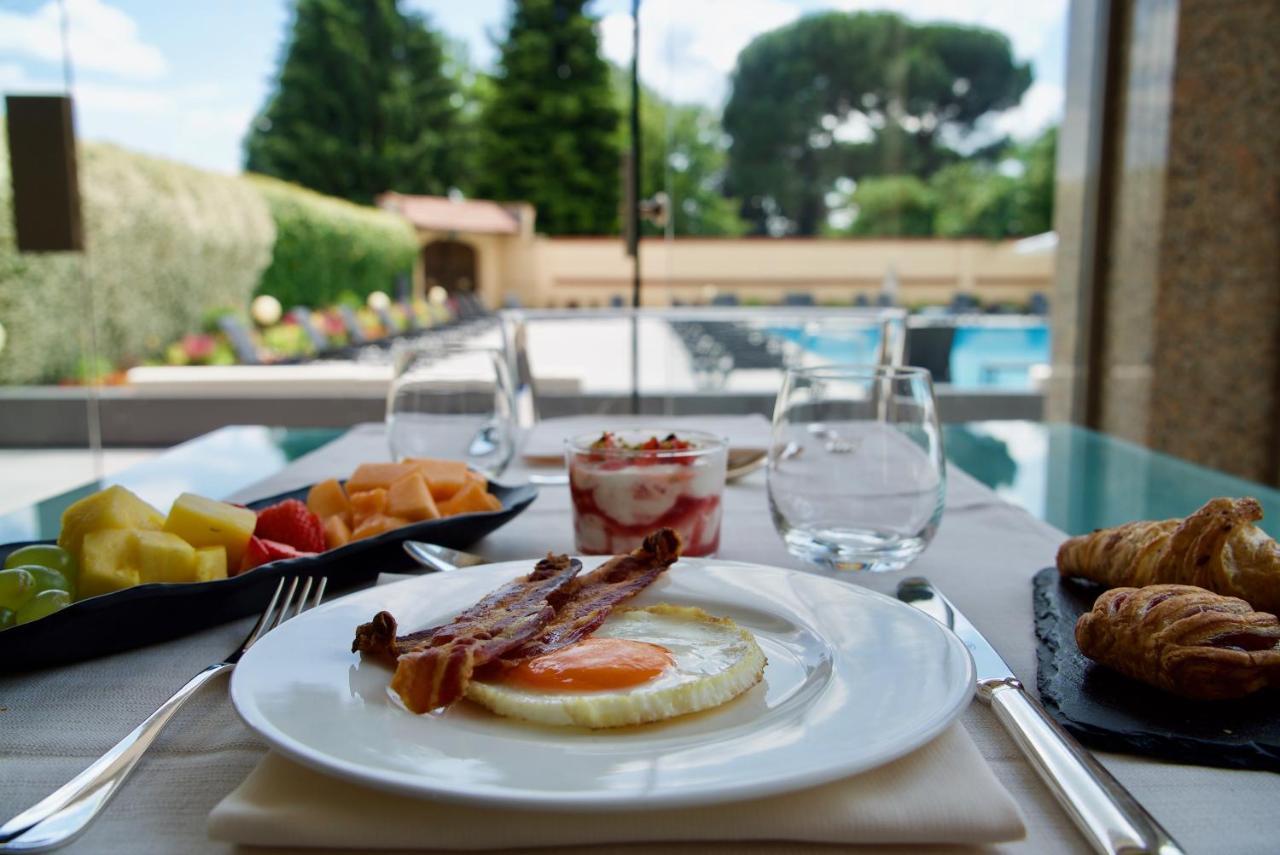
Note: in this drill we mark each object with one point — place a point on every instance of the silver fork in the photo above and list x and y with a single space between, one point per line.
66 812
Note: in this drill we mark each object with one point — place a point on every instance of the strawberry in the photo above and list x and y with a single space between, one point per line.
262 551
291 522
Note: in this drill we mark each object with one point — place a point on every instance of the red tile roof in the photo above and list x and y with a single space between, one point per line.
442 214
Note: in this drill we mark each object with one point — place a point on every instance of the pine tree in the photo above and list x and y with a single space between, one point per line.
361 104
549 129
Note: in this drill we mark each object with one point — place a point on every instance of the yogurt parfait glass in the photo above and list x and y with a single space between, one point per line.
628 483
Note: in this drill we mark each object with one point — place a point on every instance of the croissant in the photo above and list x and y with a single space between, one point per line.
1218 548
1183 639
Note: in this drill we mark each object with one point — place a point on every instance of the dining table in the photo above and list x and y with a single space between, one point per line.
1015 490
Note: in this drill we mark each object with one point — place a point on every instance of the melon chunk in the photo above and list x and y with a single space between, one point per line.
377 524
367 503
327 499
409 498
336 532
444 477
108 562
164 557
469 499
211 563
371 476
112 508
205 522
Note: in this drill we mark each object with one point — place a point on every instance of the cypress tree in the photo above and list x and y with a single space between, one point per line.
361 104
549 130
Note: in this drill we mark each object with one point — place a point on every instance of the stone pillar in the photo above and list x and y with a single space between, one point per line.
1176 341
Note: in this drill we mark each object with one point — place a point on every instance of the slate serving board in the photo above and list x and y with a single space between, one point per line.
1109 711
147 614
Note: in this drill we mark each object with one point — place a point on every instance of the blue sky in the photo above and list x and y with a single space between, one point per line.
184 79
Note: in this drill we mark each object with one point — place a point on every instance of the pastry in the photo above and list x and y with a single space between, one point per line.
1218 548
1183 639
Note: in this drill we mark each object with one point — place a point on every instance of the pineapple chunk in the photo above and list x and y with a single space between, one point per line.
409 498
204 522
108 562
211 563
112 508
164 557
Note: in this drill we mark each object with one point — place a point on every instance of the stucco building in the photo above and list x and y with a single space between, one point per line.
492 248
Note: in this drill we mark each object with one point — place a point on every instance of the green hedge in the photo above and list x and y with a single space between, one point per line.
327 248
165 245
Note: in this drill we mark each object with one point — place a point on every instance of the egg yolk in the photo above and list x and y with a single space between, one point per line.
594 664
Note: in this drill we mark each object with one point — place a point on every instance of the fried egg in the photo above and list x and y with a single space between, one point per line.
642 665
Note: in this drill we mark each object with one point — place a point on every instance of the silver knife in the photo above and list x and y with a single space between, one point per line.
1108 815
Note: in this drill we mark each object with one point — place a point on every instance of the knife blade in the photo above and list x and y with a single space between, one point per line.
1110 818
988 664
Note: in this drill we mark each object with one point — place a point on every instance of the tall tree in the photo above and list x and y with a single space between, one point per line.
1035 197
894 206
1005 194
685 156
549 131
361 104
856 94
1011 198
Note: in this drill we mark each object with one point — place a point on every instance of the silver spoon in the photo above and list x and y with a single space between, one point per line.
440 559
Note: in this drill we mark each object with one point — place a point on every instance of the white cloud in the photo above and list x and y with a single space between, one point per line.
103 38
197 124
687 51
1040 107
11 75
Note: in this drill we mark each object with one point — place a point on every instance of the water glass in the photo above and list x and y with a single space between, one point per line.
856 468
452 400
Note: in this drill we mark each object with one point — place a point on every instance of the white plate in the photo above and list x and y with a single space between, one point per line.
854 680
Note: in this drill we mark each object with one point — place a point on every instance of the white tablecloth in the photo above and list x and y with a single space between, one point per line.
53 723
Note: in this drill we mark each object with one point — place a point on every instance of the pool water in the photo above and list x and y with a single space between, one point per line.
997 357
982 357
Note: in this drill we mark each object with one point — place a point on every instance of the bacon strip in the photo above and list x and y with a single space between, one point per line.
593 596
550 576
434 665
544 611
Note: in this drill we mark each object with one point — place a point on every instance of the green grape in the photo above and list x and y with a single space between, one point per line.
45 555
43 604
7 617
16 587
48 579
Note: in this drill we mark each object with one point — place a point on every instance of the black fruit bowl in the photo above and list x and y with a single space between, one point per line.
147 614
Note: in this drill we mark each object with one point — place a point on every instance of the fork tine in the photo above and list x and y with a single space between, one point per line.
264 619
324 580
302 598
285 605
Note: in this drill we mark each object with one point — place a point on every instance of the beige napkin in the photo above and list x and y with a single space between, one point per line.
544 443
941 793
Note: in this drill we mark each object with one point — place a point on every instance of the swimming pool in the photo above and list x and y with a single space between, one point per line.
997 356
